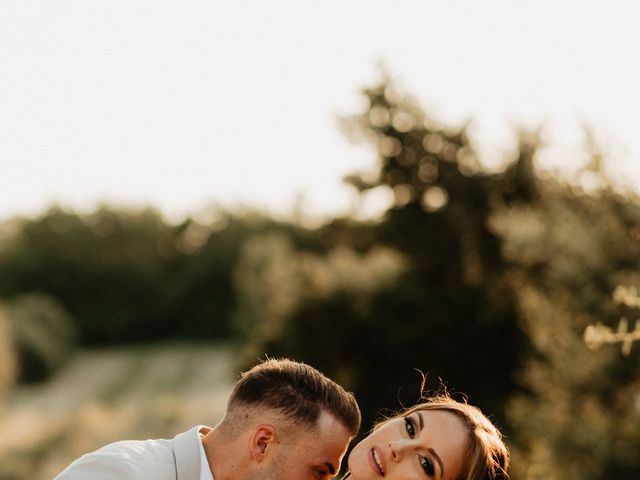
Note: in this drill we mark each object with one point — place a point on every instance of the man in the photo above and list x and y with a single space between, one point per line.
284 421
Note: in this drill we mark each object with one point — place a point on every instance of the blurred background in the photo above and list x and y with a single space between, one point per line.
378 189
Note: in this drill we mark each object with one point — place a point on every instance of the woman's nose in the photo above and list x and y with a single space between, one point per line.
397 449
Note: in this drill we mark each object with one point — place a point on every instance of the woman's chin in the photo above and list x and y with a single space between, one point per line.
357 466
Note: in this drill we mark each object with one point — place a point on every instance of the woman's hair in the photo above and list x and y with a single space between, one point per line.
487 456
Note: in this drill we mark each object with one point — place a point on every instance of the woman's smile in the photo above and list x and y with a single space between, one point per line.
376 460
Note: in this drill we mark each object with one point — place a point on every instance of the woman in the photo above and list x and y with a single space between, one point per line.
440 439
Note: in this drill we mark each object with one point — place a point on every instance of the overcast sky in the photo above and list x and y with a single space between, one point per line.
187 103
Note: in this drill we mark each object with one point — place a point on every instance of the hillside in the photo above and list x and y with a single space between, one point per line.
111 394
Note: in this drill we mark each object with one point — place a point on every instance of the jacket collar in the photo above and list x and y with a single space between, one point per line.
187 454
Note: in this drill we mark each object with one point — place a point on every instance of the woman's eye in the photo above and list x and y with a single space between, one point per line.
427 466
408 425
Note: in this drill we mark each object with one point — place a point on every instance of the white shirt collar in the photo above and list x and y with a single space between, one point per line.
205 471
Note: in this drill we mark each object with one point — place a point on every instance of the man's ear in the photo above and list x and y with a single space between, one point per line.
263 442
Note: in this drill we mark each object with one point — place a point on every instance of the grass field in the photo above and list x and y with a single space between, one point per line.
111 394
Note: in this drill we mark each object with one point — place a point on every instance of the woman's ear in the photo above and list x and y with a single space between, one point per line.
263 442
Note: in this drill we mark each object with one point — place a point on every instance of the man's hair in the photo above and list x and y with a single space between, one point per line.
296 390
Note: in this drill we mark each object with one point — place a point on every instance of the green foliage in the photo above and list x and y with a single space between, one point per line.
569 251
128 275
202 282
599 334
43 334
103 267
274 281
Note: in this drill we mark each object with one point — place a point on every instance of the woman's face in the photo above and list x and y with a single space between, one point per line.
427 444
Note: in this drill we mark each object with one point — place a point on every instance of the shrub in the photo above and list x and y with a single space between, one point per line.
43 335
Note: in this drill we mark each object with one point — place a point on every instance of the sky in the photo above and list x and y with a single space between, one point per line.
184 105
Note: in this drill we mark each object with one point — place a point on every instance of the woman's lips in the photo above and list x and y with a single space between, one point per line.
375 461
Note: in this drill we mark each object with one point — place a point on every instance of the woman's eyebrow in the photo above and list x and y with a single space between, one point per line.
420 420
437 458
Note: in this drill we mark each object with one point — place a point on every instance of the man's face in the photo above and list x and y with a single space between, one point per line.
311 454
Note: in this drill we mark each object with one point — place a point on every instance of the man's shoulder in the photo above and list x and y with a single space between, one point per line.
126 459
160 450
152 448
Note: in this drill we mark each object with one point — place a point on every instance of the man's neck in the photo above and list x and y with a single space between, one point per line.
223 456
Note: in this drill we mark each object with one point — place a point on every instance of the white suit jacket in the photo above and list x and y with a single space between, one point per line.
176 459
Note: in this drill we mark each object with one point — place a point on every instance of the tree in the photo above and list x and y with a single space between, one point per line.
579 414
451 313
128 275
